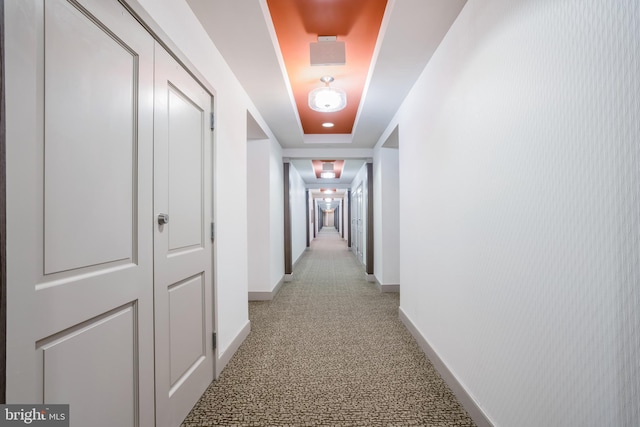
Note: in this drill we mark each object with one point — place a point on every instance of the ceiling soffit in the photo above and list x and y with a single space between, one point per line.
244 34
298 23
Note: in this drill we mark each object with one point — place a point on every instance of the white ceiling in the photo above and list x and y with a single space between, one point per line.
243 33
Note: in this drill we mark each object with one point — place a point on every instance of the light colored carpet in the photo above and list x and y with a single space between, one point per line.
329 350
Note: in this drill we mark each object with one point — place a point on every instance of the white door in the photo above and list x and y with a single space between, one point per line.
79 172
358 223
182 246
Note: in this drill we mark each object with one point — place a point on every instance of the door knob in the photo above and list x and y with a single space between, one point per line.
163 219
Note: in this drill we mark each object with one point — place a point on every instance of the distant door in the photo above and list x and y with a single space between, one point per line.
182 245
79 161
358 208
328 215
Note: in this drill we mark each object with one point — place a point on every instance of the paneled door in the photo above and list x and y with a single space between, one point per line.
182 243
358 223
79 81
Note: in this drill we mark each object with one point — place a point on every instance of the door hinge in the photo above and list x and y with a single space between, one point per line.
213 340
213 121
213 230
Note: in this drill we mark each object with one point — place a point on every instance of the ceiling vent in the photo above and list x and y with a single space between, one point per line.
327 166
327 51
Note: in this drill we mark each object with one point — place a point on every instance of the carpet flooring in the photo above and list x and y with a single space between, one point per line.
329 350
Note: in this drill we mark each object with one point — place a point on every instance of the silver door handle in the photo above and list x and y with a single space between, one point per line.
163 219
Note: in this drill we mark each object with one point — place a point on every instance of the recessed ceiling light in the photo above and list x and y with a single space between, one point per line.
328 191
328 175
327 125
328 199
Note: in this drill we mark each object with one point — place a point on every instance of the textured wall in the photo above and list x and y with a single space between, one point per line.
520 215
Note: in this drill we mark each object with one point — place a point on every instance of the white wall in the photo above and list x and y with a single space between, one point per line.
276 213
265 202
519 164
258 230
298 214
230 181
386 218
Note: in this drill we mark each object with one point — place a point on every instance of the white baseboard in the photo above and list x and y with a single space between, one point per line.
389 288
466 400
227 354
266 295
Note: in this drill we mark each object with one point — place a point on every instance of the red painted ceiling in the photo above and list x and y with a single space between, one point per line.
298 23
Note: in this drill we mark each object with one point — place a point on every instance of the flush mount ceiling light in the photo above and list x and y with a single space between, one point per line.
328 199
328 192
327 125
327 170
327 99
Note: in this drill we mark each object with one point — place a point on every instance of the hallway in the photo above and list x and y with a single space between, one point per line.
329 350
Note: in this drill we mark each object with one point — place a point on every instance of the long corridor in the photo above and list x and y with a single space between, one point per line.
329 350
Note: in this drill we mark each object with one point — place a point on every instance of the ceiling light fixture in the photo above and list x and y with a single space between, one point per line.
327 125
327 99
327 170
328 199
328 192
